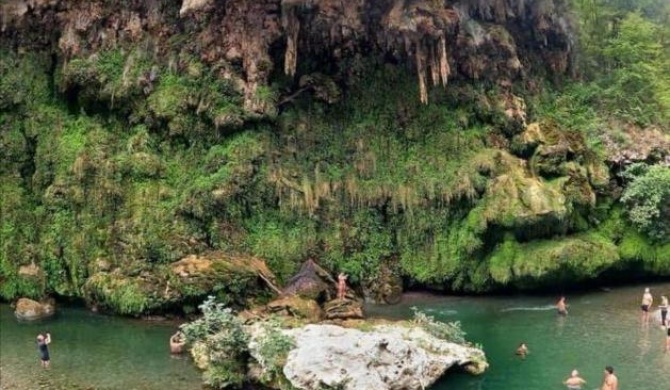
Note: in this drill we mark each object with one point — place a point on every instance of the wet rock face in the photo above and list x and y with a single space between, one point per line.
246 39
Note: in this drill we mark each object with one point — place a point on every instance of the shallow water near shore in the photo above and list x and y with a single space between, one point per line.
92 351
602 328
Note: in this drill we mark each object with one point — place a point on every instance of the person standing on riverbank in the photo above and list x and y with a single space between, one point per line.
43 348
562 307
575 382
647 301
664 309
610 381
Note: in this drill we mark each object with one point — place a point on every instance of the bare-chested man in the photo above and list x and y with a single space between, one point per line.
562 307
647 301
610 381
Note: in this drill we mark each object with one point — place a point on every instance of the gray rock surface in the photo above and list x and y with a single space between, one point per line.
389 357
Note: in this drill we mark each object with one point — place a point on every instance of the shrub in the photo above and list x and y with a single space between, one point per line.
648 196
226 344
449 331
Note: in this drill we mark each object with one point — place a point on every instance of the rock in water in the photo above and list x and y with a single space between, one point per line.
30 310
390 357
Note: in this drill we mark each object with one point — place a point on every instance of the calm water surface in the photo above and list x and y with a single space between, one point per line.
602 328
92 351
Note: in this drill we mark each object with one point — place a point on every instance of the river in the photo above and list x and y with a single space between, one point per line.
92 351
602 328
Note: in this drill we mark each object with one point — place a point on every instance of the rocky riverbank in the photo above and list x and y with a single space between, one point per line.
288 352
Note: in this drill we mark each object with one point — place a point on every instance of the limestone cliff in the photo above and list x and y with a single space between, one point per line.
244 40
402 141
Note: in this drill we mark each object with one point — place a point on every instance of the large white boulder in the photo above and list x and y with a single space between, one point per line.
393 357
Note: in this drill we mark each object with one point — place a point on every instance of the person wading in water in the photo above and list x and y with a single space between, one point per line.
610 381
562 307
647 301
575 382
43 348
664 309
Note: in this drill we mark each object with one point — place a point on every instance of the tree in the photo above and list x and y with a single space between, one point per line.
648 196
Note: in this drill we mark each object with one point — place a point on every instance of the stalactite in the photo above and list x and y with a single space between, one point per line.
444 63
434 66
291 24
421 70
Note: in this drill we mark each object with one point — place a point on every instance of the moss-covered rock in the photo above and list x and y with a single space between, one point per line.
236 280
515 198
30 310
296 306
552 262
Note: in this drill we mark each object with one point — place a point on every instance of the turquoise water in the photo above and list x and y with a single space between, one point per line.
602 328
91 351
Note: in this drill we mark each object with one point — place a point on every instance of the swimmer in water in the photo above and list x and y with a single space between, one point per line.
522 350
562 307
575 382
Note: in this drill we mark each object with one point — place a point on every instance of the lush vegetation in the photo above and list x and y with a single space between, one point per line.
220 337
117 164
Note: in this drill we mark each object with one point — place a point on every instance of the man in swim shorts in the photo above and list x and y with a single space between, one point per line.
647 301
610 381
43 348
575 382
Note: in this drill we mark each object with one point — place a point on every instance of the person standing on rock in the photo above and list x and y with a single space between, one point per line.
341 286
43 348
647 301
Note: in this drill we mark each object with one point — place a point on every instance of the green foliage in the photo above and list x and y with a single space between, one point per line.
225 341
448 331
24 82
648 198
574 258
626 40
115 292
273 349
215 318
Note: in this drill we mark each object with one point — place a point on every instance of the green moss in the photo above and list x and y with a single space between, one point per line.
24 81
122 295
636 247
545 262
